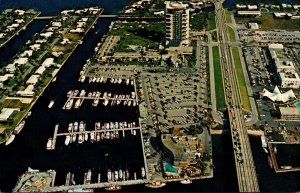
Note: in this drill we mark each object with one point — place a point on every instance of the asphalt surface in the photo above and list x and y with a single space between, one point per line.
246 174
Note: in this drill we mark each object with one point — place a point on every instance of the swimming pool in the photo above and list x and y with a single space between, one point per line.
297 104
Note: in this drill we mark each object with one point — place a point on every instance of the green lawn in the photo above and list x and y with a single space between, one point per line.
228 16
139 34
211 21
241 79
214 36
268 22
198 21
231 34
218 80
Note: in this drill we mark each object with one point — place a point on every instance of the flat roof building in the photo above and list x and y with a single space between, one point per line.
6 113
249 13
252 7
289 80
28 92
48 62
33 79
284 66
290 113
253 26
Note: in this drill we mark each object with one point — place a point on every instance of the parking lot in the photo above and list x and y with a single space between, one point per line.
263 74
175 99
270 36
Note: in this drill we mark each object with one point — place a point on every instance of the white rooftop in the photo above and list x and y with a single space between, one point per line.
6 113
21 61
277 96
27 53
27 92
40 70
48 62
33 79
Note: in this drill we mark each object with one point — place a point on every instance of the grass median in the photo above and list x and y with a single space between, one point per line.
211 24
241 79
231 34
220 98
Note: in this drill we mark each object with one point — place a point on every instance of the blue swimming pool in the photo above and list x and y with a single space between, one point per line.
297 104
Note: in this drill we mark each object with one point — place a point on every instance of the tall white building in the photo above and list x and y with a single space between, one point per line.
177 22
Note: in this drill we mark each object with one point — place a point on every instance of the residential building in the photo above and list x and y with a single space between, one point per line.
177 22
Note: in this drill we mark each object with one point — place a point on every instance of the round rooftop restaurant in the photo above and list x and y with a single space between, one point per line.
177 5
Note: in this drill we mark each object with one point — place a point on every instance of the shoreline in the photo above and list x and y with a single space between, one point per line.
22 28
35 98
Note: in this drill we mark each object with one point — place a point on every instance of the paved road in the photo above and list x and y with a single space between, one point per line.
247 179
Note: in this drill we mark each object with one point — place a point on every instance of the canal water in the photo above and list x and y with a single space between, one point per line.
29 147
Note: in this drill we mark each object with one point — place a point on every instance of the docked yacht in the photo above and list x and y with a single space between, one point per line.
81 126
76 126
127 174
86 136
70 127
143 172
49 144
19 127
10 139
98 136
186 181
74 137
120 174
76 92
96 102
80 138
77 103
155 184
82 93
105 103
116 175
67 141
109 175
51 104
69 104
92 137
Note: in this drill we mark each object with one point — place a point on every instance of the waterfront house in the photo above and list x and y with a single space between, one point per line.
6 113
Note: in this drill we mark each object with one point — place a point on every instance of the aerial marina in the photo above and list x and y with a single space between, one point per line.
159 94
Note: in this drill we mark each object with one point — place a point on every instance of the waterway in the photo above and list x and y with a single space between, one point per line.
28 149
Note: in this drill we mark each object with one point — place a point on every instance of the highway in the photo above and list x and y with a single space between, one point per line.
246 174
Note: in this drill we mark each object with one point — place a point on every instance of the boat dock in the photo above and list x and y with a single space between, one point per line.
275 164
36 181
92 186
110 131
96 131
52 141
75 99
